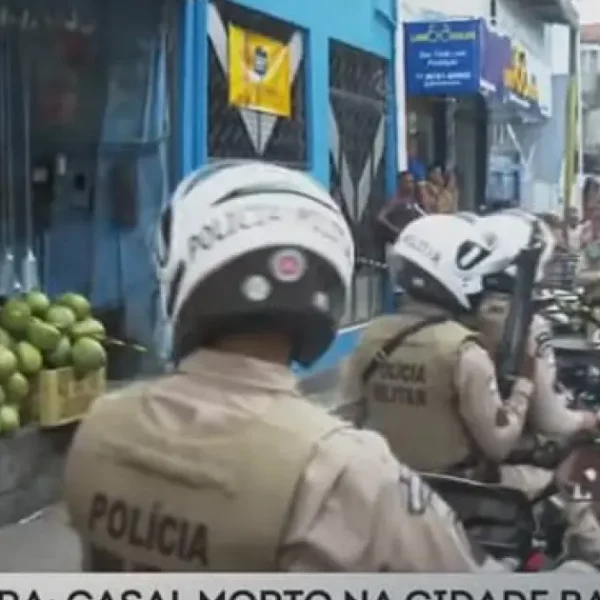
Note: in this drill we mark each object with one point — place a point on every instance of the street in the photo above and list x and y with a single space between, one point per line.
45 543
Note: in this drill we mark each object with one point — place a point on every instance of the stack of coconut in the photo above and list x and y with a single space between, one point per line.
38 333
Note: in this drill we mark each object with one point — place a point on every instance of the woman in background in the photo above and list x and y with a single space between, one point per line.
440 192
394 217
401 210
433 189
574 230
589 204
589 262
450 199
556 226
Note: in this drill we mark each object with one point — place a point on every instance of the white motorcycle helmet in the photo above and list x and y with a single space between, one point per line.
509 233
438 259
253 247
467 216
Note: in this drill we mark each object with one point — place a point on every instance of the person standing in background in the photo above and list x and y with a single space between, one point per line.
450 198
588 266
556 227
573 230
590 200
589 262
434 190
590 193
399 211
396 215
415 165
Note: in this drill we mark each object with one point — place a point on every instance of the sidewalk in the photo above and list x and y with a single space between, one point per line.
45 542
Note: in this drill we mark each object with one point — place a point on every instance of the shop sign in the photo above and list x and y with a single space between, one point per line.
464 57
518 79
442 57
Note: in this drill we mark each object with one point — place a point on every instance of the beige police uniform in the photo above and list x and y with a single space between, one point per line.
224 466
548 415
435 398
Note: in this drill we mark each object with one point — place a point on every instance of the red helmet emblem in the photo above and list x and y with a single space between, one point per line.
288 265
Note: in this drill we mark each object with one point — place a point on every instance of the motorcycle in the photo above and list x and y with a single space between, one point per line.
526 535
566 311
501 520
575 321
582 382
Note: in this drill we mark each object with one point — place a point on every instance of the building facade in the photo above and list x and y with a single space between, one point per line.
485 116
129 102
339 123
552 147
590 88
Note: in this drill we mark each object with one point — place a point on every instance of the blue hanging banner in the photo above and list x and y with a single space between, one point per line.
443 58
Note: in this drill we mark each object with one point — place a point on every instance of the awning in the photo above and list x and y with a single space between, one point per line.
555 11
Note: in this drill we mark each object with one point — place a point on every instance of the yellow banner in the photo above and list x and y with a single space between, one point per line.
517 77
259 73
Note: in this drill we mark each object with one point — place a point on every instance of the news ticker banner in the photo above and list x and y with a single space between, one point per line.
199 586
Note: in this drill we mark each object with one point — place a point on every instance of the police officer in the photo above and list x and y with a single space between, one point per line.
421 377
509 233
549 412
223 465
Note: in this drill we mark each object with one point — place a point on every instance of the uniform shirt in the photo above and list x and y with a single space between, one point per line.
354 509
494 424
549 413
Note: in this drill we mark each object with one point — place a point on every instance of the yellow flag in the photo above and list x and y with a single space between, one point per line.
259 73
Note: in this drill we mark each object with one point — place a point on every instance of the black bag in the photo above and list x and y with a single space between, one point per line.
498 518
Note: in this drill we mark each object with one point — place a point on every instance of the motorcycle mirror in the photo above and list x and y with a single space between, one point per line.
552 308
578 475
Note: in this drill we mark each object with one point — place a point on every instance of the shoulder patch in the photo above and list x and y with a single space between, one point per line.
497 309
418 494
543 344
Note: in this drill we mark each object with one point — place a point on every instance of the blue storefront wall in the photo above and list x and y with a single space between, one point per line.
86 249
368 25
549 157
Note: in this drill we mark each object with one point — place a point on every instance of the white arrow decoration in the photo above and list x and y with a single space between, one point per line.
370 168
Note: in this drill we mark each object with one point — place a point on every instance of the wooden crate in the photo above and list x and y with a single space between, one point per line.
59 398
